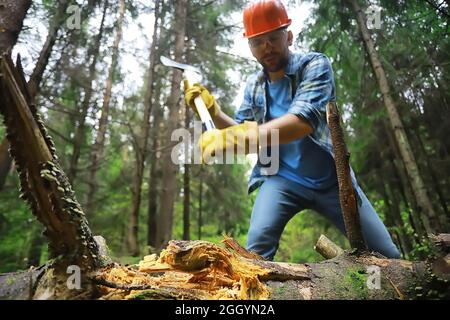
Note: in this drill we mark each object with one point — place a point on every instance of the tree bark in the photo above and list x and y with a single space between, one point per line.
97 148
12 14
169 180
414 175
346 191
80 132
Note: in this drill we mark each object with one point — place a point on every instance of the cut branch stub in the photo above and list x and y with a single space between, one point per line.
327 248
347 194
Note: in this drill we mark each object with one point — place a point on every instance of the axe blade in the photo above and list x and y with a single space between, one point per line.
185 67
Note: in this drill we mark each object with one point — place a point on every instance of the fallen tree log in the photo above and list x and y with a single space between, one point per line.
201 270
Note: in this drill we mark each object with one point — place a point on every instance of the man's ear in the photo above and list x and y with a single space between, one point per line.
290 37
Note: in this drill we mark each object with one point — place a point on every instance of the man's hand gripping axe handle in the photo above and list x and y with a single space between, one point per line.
205 117
203 112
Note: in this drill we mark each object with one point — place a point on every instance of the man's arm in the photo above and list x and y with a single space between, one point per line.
221 119
289 126
308 108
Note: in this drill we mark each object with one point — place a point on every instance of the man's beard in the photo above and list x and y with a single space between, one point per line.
282 63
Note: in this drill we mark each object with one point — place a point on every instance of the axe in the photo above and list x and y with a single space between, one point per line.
188 72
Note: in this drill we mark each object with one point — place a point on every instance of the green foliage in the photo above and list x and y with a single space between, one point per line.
15 231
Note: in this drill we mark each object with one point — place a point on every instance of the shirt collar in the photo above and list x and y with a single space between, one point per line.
290 67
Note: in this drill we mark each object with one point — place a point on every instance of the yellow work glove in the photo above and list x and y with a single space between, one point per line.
199 90
239 139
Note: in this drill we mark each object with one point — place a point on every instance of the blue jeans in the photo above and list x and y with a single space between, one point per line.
279 199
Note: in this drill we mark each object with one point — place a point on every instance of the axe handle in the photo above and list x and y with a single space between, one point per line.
203 112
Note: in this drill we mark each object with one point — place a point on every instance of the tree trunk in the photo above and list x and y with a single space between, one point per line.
12 14
41 64
169 180
36 76
347 194
80 132
432 224
152 220
155 160
97 148
34 84
154 176
186 187
142 143
43 183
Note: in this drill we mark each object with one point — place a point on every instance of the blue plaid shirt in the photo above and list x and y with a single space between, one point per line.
312 87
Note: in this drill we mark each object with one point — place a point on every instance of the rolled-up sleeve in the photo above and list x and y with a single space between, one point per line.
314 91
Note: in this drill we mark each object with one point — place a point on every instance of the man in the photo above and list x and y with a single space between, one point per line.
290 95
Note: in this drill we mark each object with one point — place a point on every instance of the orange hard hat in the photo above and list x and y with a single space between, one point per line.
264 16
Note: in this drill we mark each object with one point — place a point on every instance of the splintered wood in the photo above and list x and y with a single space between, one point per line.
195 270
